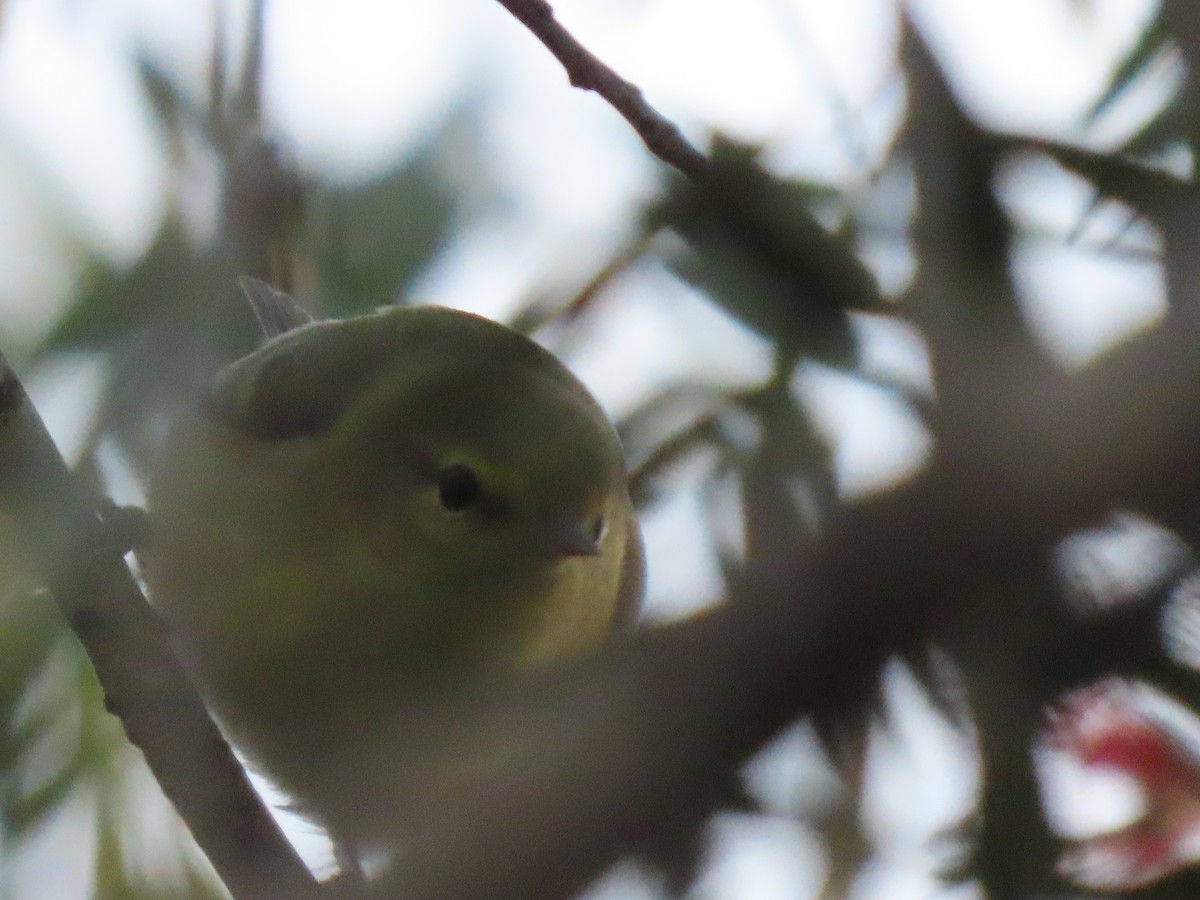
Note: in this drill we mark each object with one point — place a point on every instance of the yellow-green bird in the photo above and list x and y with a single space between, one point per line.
365 510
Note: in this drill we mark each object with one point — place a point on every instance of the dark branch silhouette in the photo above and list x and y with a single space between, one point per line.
144 685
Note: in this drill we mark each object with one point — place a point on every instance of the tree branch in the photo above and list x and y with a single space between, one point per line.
142 681
529 790
602 755
661 136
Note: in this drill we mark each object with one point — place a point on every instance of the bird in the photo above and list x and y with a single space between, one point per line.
365 513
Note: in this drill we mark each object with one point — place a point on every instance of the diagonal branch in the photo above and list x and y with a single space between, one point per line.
532 789
143 683
585 71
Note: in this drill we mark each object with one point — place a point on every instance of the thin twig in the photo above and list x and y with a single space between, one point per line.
791 27
696 434
250 90
216 69
585 71
263 196
541 311
143 683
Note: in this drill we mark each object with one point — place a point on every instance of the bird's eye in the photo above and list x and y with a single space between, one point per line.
458 487
598 528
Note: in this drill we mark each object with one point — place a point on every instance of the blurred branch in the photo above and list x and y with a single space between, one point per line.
250 90
543 310
1152 45
1180 18
602 755
216 68
263 200
1040 444
792 27
1149 192
661 136
142 681
701 432
245 105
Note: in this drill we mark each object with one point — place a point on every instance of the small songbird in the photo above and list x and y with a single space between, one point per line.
364 510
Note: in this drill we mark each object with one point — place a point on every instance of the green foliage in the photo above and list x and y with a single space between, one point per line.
757 250
368 241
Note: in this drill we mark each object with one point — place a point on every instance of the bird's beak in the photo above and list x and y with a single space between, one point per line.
576 537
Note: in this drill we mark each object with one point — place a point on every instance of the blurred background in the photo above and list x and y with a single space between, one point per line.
906 199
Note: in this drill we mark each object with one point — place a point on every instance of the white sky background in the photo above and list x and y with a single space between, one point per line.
351 86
